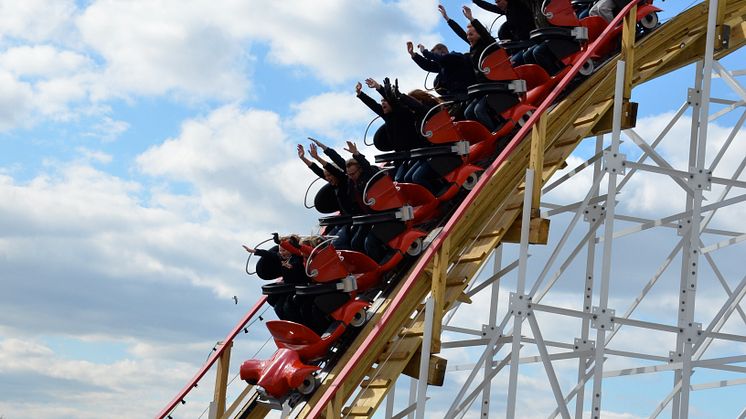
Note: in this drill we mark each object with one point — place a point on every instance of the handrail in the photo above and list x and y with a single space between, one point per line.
365 135
310 256
214 357
252 254
434 247
305 197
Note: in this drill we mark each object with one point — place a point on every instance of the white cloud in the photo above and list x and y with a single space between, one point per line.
164 47
35 20
331 114
15 101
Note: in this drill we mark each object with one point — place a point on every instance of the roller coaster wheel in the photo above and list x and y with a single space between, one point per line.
415 248
309 385
471 181
588 68
359 319
649 21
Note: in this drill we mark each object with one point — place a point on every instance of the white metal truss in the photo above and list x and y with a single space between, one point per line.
710 339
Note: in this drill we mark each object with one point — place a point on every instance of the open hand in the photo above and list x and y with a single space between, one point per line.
351 147
442 11
467 13
372 83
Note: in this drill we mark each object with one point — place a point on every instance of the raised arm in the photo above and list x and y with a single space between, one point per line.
458 30
488 6
423 61
352 149
311 165
481 30
370 102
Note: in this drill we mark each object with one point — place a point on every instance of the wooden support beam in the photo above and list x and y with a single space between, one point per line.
629 30
436 369
629 119
538 231
440 274
536 161
221 380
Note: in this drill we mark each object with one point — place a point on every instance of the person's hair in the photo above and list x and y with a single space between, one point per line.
351 162
425 98
439 45
311 240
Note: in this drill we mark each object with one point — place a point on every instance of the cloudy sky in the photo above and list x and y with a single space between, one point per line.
142 142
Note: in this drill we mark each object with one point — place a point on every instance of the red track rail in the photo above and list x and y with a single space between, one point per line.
214 357
423 261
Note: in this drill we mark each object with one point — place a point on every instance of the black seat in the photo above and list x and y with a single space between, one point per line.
560 40
325 200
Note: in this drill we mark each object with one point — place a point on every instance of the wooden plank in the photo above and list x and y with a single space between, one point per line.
629 30
221 379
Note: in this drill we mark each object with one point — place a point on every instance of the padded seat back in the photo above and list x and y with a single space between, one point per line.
325 201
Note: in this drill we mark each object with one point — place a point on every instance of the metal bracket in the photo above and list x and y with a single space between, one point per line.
674 356
723 35
684 223
700 179
615 162
691 332
580 33
461 148
518 86
520 305
603 318
594 212
490 331
693 96
405 213
348 284
582 345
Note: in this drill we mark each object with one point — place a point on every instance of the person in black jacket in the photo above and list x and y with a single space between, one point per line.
454 70
479 38
519 21
400 131
337 180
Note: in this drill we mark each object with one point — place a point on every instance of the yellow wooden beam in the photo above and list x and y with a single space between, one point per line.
221 379
629 30
440 273
536 160
436 369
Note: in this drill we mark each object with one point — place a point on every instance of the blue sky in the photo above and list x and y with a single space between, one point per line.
141 143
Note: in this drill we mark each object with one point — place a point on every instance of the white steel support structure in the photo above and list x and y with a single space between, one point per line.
521 332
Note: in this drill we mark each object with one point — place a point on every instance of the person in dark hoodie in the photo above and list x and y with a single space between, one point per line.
454 70
479 38
400 131
337 180
519 20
